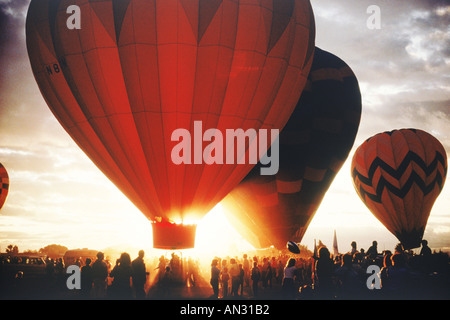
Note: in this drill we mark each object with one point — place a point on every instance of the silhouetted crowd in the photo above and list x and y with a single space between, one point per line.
126 280
357 274
354 275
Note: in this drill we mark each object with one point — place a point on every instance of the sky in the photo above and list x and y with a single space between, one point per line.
57 196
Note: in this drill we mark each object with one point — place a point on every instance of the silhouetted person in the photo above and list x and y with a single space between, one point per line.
270 273
362 252
256 276
280 271
398 248
139 275
397 277
49 268
175 265
165 283
225 277
323 271
354 249
425 258
161 267
215 275
273 271
246 267
122 274
86 279
348 279
60 274
387 264
241 279
372 252
99 275
288 285
224 265
234 274
59 267
425 251
265 270
192 271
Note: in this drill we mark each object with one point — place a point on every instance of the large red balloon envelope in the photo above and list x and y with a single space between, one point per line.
4 185
314 144
398 175
137 70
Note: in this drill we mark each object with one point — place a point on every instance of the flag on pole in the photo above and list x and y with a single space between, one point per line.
313 266
335 245
315 248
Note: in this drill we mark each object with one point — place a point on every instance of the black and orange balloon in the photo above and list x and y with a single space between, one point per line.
137 70
4 185
398 175
314 144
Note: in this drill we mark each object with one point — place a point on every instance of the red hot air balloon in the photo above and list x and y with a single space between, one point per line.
314 144
4 185
137 70
398 175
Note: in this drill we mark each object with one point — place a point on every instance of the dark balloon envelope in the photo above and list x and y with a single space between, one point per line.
4 185
314 144
293 247
398 175
139 69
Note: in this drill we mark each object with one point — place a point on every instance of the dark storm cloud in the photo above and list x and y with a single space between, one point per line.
405 25
25 120
12 24
403 68
21 105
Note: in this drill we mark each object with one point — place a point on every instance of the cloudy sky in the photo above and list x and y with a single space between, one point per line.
58 196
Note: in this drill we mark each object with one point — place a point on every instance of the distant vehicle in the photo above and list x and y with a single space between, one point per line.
79 256
28 265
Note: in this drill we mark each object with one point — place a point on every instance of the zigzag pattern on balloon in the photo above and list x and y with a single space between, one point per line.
414 177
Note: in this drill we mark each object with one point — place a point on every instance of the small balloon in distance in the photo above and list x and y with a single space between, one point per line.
293 247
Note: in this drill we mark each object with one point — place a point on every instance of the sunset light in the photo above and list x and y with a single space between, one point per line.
212 132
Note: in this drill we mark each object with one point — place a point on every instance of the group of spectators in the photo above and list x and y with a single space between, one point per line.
357 274
229 276
126 280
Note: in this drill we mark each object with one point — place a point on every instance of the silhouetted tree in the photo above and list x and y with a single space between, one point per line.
53 250
12 249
